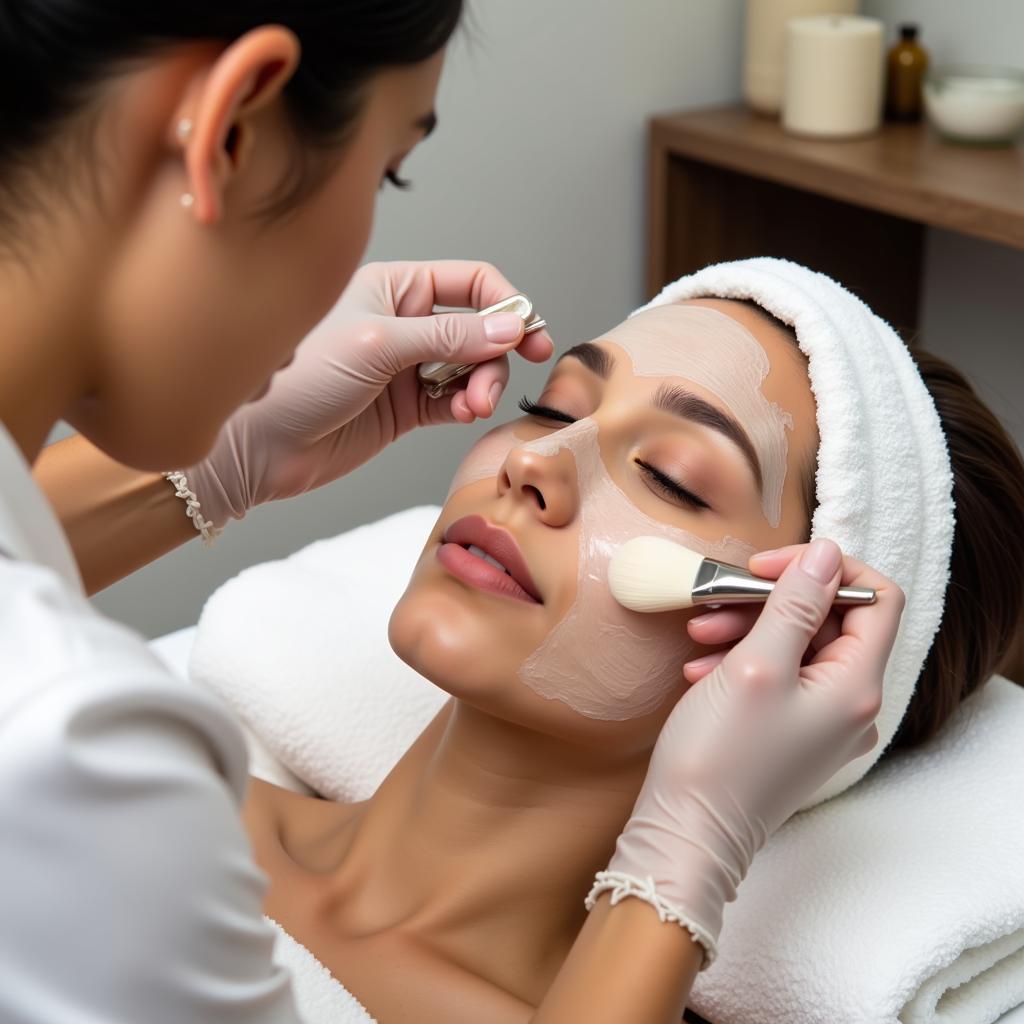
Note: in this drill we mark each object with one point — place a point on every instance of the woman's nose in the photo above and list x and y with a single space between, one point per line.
547 483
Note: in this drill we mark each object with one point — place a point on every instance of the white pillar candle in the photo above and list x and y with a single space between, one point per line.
834 77
765 42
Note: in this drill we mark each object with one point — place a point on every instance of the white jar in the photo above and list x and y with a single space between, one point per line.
976 104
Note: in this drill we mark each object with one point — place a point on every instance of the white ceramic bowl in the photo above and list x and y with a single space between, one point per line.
974 104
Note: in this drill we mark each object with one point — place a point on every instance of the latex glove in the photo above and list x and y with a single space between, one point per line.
352 387
752 740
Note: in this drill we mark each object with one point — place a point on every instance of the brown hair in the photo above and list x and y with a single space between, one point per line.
985 595
984 610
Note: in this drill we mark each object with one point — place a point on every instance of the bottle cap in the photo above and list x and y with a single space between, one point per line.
908 32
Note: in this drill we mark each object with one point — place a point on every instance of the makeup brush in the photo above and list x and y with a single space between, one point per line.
651 574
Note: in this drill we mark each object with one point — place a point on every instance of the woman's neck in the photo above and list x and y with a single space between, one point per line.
43 358
487 833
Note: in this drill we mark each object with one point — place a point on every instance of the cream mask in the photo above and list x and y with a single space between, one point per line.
720 355
486 457
603 661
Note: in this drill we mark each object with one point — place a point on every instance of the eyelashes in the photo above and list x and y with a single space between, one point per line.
531 408
670 488
390 177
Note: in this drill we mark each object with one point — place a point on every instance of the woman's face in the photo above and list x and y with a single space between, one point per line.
193 319
694 422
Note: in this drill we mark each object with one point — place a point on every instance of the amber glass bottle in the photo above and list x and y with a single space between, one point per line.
908 61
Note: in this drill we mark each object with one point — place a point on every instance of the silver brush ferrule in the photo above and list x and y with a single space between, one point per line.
721 583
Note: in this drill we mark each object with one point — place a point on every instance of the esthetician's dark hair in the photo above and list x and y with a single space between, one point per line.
982 618
53 53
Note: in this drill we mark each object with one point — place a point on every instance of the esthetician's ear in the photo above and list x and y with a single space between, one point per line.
215 124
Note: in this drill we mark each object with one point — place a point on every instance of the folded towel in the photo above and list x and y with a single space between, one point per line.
884 486
900 901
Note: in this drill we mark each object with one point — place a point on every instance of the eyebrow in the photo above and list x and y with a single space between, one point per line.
427 123
592 356
678 401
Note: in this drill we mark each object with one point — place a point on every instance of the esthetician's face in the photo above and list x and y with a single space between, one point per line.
694 422
217 310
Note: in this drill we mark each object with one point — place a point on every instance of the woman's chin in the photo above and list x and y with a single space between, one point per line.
440 638
476 661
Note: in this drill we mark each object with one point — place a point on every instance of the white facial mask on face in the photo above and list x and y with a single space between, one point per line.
719 354
485 459
603 661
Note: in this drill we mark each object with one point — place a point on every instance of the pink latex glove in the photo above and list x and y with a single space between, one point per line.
750 741
352 388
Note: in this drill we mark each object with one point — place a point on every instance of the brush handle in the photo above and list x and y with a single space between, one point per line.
719 583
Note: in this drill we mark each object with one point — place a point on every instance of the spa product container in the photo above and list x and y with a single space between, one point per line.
906 66
763 60
974 104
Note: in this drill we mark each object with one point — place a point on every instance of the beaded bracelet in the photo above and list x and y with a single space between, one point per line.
206 529
623 885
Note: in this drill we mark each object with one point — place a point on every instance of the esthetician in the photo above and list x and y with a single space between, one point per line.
185 190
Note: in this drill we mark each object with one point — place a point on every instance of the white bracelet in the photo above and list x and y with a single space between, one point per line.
206 529
623 885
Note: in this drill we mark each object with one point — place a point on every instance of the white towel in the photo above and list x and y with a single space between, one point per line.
884 483
872 907
299 649
901 900
320 997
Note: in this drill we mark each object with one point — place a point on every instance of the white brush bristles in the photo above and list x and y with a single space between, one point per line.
651 574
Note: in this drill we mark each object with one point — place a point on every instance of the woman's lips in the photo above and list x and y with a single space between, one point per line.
477 573
471 568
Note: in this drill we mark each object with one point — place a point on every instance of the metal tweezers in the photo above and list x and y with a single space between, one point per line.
438 378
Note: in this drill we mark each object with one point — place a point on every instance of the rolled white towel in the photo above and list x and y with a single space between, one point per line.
884 485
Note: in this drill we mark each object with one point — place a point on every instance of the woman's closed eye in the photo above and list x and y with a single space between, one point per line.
544 412
661 483
666 485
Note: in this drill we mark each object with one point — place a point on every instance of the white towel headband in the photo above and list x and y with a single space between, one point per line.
884 483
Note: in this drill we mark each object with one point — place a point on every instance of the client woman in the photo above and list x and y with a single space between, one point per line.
694 420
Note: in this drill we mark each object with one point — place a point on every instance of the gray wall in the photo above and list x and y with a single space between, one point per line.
538 166
973 302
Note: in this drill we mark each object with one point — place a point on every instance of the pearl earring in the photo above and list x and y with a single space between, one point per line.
184 130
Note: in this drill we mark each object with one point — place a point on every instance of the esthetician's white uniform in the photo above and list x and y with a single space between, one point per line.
127 891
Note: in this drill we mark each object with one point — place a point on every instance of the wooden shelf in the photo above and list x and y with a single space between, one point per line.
727 183
904 170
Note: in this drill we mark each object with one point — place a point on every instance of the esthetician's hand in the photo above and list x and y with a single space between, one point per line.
769 724
352 388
